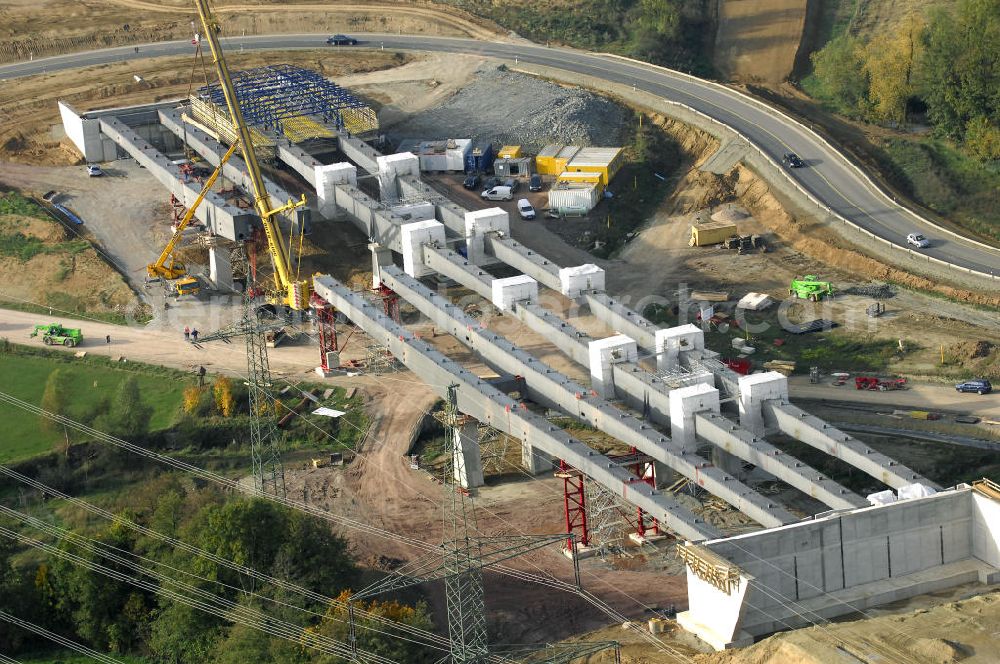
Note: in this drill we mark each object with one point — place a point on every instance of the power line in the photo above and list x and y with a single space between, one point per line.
56 638
241 569
547 580
225 609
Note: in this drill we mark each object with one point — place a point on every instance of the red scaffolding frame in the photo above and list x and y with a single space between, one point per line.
390 301
574 503
327 328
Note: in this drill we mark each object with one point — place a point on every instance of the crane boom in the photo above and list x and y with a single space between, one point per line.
294 293
160 269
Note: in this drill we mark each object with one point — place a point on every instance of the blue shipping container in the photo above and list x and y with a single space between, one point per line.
479 158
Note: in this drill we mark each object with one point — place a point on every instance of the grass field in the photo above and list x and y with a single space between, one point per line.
24 376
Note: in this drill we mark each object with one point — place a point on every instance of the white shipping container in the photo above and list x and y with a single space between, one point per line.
456 156
574 198
434 161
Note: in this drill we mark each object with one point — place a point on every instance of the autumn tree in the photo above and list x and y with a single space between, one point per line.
191 399
222 390
372 636
889 66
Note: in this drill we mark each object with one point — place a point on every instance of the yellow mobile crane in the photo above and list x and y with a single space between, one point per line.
290 290
176 270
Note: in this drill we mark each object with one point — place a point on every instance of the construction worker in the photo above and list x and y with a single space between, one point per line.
187 333
201 376
194 335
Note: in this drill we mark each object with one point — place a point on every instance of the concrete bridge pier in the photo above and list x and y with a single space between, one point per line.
466 457
534 460
381 257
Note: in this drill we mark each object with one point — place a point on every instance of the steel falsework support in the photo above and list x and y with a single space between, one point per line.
326 326
575 505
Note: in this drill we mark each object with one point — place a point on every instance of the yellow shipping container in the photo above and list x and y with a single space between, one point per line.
582 176
606 161
545 161
712 232
509 152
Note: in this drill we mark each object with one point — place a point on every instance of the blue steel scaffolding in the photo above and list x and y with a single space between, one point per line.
294 102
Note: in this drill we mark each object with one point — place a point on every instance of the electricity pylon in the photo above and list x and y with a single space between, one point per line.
460 565
266 467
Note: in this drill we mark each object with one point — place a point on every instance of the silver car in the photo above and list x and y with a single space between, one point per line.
918 240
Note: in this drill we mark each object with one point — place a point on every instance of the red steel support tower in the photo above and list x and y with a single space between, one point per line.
390 301
325 321
575 503
645 470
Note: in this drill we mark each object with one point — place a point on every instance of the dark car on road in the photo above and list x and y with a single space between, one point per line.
792 160
512 183
491 182
471 182
535 183
342 40
979 386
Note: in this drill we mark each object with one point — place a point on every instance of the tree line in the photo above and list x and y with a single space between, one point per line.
116 617
945 62
676 33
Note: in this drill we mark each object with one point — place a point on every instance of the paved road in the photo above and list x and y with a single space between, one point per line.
918 396
828 176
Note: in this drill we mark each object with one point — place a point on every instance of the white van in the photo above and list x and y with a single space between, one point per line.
499 193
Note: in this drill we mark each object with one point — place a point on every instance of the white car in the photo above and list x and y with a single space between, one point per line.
524 209
918 240
93 170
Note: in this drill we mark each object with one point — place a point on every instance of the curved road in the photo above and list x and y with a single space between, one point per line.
829 176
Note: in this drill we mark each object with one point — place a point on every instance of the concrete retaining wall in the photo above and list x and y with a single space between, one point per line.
848 561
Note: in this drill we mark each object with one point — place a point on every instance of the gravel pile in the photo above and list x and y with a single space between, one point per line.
508 108
874 291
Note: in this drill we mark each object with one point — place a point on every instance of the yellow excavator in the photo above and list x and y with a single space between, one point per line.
289 289
175 271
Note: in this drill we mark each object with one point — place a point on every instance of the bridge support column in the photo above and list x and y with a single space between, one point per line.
466 457
673 341
685 403
327 177
479 223
604 353
381 257
755 389
220 268
534 460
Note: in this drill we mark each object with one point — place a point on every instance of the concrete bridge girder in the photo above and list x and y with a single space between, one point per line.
813 431
552 389
722 432
478 399
634 384
215 212
211 150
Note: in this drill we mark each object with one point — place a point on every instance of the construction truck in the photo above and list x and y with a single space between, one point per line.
289 289
167 267
810 287
55 334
